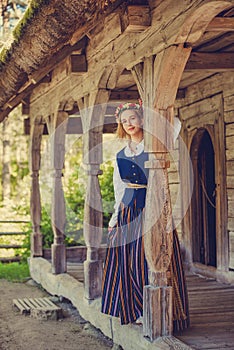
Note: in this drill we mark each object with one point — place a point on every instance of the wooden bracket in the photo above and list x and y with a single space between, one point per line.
78 63
136 18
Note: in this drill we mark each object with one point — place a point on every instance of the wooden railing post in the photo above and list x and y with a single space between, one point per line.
93 221
92 108
58 212
35 200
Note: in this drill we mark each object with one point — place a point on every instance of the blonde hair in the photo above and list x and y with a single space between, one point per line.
120 132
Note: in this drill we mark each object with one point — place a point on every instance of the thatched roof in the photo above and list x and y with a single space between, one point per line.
46 28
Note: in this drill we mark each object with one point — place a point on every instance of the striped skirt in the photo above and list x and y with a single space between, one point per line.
126 272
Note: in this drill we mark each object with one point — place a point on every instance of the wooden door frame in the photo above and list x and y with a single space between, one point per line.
207 114
195 201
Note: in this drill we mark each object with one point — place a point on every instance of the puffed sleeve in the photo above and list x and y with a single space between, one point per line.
177 127
119 188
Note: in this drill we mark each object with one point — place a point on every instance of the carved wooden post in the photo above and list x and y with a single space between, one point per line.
35 200
93 232
58 212
158 248
92 115
157 83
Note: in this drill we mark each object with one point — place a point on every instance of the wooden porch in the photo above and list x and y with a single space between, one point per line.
179 60
212 314
211 311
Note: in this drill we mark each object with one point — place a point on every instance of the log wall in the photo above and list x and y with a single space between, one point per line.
204 92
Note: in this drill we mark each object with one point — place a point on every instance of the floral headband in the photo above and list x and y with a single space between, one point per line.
128 105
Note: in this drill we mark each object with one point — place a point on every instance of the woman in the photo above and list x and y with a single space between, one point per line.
125 267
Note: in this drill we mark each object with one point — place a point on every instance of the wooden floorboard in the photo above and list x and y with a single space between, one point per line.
211 312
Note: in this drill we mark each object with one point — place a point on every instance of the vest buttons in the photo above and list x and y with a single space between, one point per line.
134 174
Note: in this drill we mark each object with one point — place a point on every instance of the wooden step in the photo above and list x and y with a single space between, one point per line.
40 308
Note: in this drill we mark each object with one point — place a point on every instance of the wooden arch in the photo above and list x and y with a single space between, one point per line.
110 76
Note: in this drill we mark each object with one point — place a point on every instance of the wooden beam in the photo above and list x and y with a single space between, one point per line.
180 94
57 58
47 78
78 63
127 95
219 61
26 105
4 113
41 76
74 126
25 91
221 24
136 18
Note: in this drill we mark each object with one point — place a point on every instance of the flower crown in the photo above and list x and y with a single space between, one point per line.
128 105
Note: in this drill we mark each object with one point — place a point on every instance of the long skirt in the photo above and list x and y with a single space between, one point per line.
126 272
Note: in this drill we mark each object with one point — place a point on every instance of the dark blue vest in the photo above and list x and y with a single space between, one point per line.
131 169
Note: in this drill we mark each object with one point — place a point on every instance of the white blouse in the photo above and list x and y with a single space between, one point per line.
119 184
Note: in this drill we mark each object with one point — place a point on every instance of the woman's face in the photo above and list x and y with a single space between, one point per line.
132 123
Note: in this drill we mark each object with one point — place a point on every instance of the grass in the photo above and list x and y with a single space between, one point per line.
14 272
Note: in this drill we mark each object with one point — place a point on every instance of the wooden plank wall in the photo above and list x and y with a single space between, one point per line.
174 183
218 83
229 131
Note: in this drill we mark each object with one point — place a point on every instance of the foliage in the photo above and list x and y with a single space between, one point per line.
75 199
18 172
1 182
14 272
107 191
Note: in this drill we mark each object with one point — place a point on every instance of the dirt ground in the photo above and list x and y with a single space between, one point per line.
24 332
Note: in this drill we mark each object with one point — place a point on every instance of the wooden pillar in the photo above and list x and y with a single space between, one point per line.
58 212
93 218
157 82
35 200
92 114
158 249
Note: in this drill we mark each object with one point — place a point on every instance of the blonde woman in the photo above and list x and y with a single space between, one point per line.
125 268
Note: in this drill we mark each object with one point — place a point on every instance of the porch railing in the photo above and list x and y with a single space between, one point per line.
10 242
